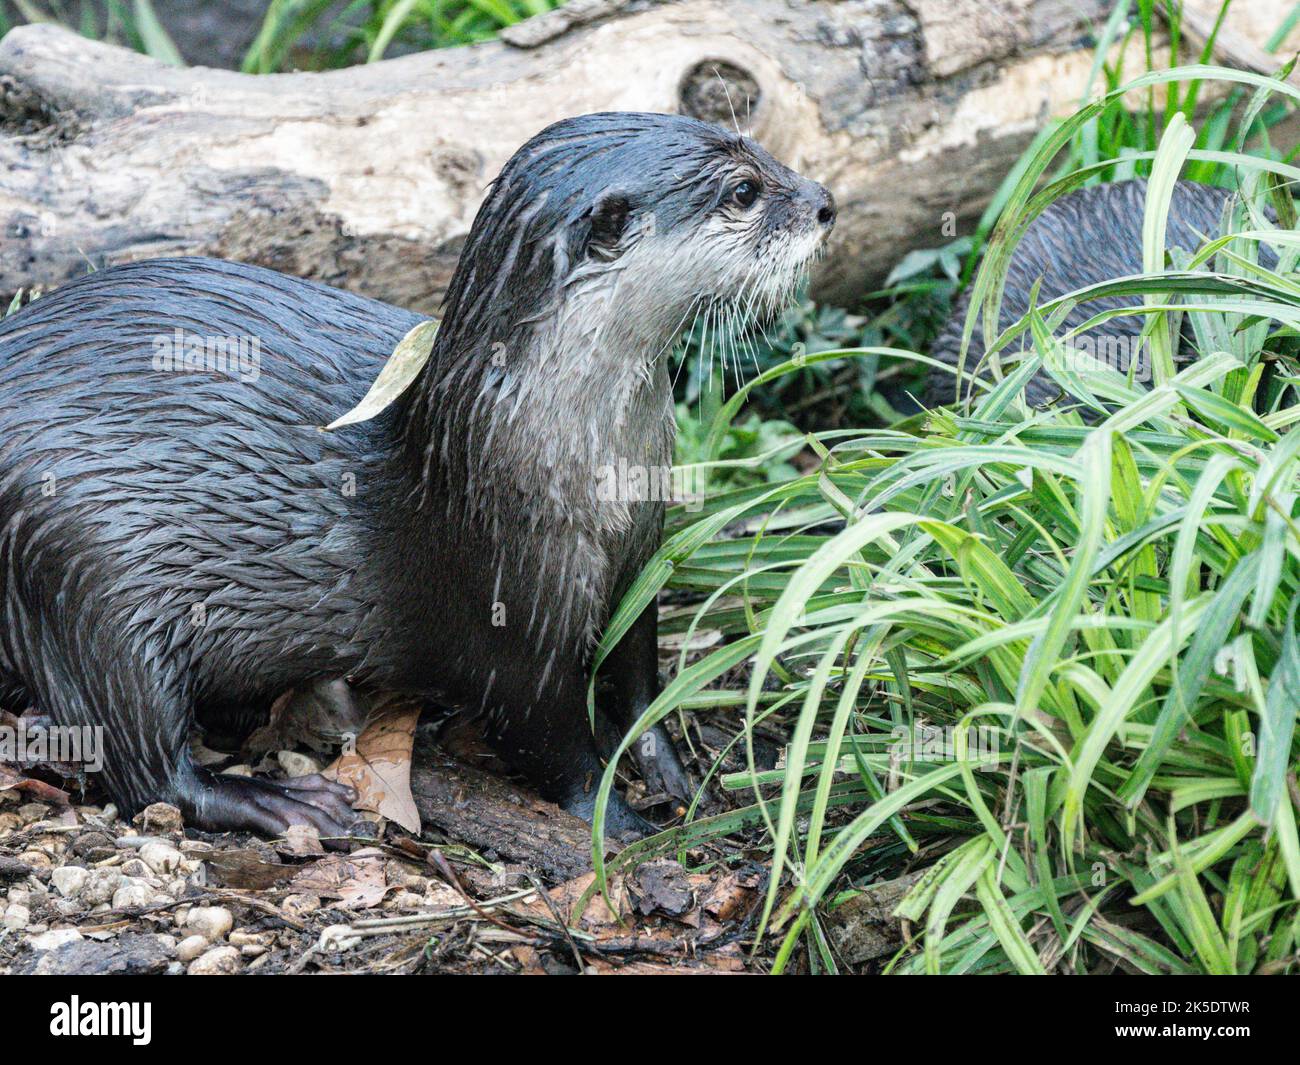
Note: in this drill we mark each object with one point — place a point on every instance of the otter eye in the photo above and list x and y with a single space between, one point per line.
745 193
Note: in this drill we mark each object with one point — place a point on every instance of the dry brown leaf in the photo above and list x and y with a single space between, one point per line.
300 841
402 367
319 714
597 915
247 869
724 898
358 881
529 962
379 766
38 790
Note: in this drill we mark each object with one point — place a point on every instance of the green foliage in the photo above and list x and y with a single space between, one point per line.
752 451
366 29
133 23
1098 614
295 34
822 393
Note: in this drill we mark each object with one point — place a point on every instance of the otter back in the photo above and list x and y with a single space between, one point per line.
1089 236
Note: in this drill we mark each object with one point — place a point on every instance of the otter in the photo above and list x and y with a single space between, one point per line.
1088 236
179 537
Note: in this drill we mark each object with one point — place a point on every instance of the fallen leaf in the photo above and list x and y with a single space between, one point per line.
402 367
358 881
661 886
725 898
37 789
300 841
379 766
246 868
319 714
597 915
864 927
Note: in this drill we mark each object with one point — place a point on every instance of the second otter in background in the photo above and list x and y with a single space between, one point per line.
1086 237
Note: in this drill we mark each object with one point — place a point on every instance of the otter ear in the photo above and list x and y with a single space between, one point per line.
608 223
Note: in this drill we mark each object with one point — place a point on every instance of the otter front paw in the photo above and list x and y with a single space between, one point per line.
224 803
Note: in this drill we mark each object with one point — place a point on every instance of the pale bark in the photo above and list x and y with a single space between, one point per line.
368 178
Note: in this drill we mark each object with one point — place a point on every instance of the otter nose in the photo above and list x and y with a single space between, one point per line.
823 205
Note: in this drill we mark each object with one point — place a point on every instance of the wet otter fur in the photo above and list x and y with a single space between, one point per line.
1088 236
173 542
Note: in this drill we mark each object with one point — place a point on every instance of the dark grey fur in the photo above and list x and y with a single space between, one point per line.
180 541
1088 236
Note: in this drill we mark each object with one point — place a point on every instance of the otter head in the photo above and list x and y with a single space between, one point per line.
636 219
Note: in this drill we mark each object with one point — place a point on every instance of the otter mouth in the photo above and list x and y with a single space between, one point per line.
730 325
778 279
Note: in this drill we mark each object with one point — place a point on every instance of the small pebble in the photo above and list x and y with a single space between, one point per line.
298 905
54 939
32 812
191 947
214 922
159 819
38 860
17 917
162 858
21 896
70 880
219 961
94 846
135 841
132 893
101 887
297 765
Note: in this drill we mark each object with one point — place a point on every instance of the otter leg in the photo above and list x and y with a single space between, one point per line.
547 738
143 738
632 671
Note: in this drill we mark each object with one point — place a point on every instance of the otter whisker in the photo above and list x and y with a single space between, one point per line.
726 91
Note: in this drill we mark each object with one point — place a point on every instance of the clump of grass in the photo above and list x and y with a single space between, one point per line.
365 30
1114 143
1101 616
133 23
295 34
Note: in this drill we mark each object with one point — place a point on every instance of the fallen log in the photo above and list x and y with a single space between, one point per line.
911 110
490 813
